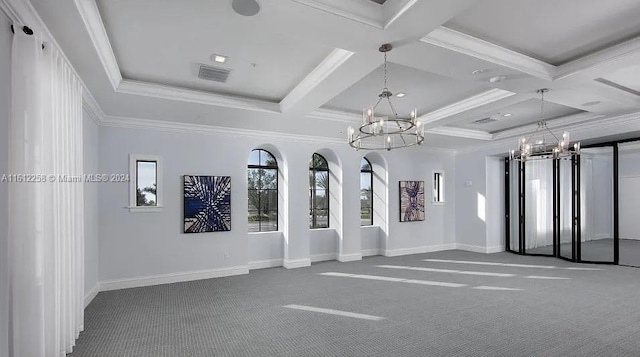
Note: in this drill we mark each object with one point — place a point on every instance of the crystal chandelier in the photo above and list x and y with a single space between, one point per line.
386 132
536 145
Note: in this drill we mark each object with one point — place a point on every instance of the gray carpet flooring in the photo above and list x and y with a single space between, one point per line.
588 313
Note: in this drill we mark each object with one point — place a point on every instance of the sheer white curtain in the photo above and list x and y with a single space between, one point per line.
46 219
539 203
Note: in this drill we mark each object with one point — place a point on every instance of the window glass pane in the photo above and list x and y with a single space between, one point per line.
146 184
322 218
254 221
254 158
266 159
318 162
254 199
253 177
270 223
269 178
365 165
365 181
321 199
322 179
268 200
365 216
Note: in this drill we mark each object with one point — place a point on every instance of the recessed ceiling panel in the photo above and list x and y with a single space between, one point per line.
553 31
424 91
523 113
165 42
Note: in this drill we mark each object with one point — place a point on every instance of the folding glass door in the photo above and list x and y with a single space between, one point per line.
565 208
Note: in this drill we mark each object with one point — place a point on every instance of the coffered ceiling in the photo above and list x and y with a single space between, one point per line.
308 67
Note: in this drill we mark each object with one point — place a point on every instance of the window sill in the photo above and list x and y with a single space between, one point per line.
266 232
442 203
321 229
141 209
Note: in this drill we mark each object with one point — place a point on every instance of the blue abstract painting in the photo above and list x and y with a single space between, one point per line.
207 204
411 201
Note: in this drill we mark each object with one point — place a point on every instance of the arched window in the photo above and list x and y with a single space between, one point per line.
318 192
262 174
366 193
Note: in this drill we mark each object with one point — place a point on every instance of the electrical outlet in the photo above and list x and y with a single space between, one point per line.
225 256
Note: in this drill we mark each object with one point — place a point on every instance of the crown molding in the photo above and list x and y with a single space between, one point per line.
399 13
598 59
342 13
9 8
193 96
460 42
464 105
92 108
90 15
461 133
626 122
554 124
335 115
329 65
190 128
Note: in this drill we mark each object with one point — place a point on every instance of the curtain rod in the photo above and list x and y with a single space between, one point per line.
27 31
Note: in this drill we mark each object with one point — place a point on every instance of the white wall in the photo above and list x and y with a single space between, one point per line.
91 223
479 190
5 99
470 187
136 245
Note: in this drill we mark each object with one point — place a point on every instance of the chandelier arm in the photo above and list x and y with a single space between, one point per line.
551 132
393 109
376 105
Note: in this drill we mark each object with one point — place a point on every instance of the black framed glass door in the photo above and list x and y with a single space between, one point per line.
565 208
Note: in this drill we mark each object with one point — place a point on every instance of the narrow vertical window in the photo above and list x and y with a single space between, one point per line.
318 192
262 175
145 185
366 193
438 187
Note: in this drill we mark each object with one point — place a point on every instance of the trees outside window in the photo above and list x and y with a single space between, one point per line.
318 192
262 175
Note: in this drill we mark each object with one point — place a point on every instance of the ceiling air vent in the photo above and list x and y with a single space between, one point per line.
213 73
381 2
485 121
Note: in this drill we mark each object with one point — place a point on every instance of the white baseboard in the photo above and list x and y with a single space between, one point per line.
263 264
370 252
88 298
323 257
480 249
349 257
297 263
418 250
172 278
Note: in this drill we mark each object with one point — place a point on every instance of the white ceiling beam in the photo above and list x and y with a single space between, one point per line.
438 117
602 62
192 96
461 133
329 65
90 15
487 51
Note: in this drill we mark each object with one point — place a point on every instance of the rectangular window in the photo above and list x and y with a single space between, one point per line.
145 188
438 187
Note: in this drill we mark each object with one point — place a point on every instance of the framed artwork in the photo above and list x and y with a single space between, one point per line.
411 201
207 204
